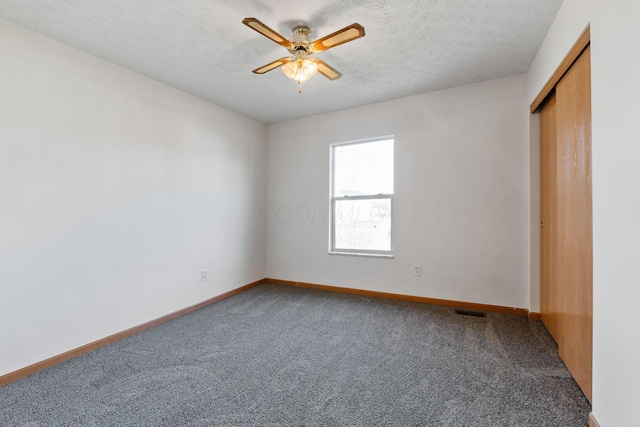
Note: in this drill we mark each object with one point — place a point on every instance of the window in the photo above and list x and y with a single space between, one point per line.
362 197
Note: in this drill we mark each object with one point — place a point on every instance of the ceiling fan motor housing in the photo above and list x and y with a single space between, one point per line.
300 40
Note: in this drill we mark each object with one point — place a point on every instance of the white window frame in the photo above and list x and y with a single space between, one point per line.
334 199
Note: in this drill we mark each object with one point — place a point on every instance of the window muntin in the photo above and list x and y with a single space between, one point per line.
362 197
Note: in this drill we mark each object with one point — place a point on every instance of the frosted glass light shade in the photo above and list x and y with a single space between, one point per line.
300 71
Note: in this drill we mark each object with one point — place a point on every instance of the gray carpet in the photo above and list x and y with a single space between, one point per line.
281 356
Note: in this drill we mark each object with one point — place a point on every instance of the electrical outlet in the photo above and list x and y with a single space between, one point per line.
204 274
417 270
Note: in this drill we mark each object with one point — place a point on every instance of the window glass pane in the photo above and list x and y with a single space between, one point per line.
363 169
363 224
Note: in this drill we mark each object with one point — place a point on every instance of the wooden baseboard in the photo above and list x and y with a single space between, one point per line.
39 366
592 420
448 303
534 316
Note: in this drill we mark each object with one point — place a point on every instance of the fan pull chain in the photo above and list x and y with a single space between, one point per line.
299 87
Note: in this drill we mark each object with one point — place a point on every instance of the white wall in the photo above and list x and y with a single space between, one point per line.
534 213
616 200
616 212
115 191
461 195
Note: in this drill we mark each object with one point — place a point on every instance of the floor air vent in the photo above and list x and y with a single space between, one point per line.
471 313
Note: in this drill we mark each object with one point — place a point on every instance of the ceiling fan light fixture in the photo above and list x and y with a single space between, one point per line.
300 70
299 67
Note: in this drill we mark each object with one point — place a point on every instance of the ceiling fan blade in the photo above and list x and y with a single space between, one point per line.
347 34
254 24
271 66
326 70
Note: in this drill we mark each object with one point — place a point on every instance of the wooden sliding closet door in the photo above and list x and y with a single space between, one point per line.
566 236
575 230
548 210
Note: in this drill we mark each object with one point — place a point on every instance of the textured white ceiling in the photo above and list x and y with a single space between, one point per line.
201 46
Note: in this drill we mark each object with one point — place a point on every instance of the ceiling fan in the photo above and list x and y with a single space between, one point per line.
300 67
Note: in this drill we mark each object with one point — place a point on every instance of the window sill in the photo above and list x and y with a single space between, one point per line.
390 256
